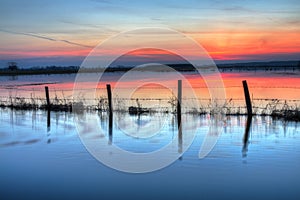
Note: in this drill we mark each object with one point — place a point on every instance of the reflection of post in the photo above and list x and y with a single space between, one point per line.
247 98
249 118
246 135
48 120
179 100
110 136
110 122
180 139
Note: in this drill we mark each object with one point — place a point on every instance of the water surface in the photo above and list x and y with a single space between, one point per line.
41 161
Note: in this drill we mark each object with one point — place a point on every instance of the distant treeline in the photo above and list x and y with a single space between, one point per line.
267 66
39 70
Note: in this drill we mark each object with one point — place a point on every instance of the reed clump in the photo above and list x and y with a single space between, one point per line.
280 109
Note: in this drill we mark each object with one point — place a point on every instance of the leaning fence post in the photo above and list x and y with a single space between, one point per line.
179 100
109 109
109 98
247 98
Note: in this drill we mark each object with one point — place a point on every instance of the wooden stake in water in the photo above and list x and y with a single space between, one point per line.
48 108
110 123
247 98
179 100
109 98
47 97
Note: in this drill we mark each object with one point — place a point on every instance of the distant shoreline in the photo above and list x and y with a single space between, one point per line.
251 66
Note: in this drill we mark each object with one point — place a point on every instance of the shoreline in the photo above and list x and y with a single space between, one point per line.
281 114
284 66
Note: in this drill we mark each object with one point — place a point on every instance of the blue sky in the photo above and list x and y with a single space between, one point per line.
53 32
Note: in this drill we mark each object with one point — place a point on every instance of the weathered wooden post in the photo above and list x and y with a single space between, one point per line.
249 118
109 98
110 110
179 101
47 97
247 98
48 108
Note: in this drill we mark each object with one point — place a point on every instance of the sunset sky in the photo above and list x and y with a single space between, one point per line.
64 32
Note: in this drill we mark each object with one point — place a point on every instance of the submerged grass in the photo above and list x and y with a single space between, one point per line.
280 109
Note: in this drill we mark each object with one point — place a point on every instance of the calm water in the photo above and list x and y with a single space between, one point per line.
262 85
41 161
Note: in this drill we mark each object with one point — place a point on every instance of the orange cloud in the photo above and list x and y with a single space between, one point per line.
232 45
221 45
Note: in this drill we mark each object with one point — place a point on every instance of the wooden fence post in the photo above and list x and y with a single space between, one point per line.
47 97
247 98
179 100
48 108
109 96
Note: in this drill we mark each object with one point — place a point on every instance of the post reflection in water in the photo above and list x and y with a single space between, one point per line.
49 126
18 128
107 121
26 157
180 139
246 135
110 128
48 121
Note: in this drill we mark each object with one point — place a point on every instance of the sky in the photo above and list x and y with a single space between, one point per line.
52 32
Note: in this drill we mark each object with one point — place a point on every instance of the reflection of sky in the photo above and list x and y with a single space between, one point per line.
34 160
263 85
54 32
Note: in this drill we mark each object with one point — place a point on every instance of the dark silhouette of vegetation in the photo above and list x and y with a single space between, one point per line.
273 107
12 66
13 69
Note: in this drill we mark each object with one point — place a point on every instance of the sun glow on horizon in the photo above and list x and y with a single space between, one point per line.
242 31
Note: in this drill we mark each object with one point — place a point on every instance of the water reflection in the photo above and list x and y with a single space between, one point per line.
27 160
48 121
110 127
179 138
246 135
214 131
19 127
